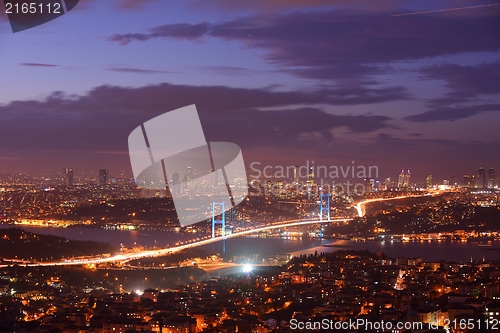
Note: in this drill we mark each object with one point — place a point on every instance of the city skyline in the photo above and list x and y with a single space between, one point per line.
292 175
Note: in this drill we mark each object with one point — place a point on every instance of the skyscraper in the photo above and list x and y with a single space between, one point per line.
295 175
407 179
404 179
492 178
401 179
428 181
481 178
310 176
103 176
68 177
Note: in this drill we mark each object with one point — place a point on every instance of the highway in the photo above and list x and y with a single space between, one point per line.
360 206
165 251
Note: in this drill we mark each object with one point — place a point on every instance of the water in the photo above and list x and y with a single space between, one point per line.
429 251
114 237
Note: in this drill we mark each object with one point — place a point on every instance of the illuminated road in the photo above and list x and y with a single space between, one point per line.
361 211
165 251
162 252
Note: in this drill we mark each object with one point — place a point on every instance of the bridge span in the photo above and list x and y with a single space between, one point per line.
169 250
165 251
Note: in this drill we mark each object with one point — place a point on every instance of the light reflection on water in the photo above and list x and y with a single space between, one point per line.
447 250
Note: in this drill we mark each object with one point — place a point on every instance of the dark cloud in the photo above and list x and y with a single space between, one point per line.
91 131
227 70
339 44
452 113
172 31
286 127
139 70
393 7
133 4
465 82
34 64
102 119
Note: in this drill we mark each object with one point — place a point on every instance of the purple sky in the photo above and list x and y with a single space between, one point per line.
287 80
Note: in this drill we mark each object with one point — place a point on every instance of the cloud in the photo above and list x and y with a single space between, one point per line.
133 4
470 87
172 31
34 64
286 127
392 7
339 44
102 119
452 113
227 70
91 130
8 158
139 70
465 82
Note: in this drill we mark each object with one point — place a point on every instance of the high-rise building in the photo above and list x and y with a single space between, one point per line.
404 179
407 179
103 176
68 177
469 180
310 176
429 182
481 178
401 179
492 178
295 175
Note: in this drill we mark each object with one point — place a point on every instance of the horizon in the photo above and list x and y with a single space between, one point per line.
287 82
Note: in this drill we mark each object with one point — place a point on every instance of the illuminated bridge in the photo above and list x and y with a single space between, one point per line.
165 251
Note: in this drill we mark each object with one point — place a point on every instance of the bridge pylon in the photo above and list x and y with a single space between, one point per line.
324 207
221 221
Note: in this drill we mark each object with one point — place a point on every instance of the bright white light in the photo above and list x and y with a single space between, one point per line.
138 292
247 268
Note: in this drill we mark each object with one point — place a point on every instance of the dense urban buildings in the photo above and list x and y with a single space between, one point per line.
305 221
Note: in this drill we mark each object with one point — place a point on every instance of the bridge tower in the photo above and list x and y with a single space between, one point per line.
222 221
217 221
324 208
